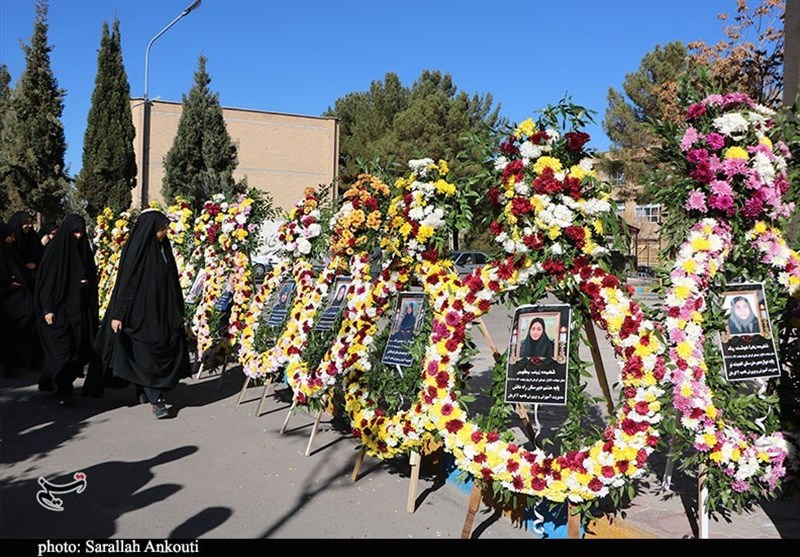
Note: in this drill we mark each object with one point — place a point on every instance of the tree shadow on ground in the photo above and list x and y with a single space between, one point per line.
112 490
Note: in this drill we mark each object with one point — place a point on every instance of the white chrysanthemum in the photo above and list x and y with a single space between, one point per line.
747 468
303 246
508 246
556 249
531 151
521 188
599 251
500 163
732 125
314 214
552 135
596 206
420 167
587 164
501 238
571 203
314 230
763 166
560 176
417 214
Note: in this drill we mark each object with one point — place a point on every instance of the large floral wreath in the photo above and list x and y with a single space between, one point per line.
111 233
355 233
300 238
734 180
551 225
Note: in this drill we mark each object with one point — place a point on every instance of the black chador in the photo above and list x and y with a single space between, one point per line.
65 303
142 336
27 242
17 324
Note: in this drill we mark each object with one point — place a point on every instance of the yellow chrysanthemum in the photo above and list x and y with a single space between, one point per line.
701 244
527 128
690 265
443 168
425 232
547 162
685 349
445 187
766 141
682 292
736 152
576 171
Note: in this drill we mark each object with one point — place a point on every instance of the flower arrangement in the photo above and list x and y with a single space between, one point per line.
728 195
302 227
181 237
111 233
355 233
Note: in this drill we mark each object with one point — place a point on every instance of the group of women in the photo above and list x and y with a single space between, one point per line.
49 310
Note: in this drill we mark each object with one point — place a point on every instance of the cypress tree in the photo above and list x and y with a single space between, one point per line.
109 164
203 157
5 99
32 159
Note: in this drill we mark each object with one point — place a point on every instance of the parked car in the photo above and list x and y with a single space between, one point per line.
262 266
467 261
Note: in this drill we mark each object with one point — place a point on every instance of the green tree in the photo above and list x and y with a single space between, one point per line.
649 93
109 164
5 99
381 129
203 157
32 159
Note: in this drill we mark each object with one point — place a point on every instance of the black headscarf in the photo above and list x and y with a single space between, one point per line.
151 348
541 348
66 285
28 244
46 228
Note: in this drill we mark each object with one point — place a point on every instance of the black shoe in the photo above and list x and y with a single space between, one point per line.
160 410
63 399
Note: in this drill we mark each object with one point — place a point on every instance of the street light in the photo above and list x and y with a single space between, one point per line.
184 13
146 108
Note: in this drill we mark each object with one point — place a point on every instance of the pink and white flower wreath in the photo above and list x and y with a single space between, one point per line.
720 164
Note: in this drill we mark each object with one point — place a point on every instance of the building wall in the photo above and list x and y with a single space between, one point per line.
278 153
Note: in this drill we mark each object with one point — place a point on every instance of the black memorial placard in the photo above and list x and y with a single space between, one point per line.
538 355
281 304
406 323
336 303
748 349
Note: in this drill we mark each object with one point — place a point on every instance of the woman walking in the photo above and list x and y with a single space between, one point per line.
142 337
65 302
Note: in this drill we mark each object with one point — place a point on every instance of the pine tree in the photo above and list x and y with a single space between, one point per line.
32 160
203 156
109 163
5 100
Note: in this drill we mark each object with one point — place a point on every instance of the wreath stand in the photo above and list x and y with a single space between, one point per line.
313 430
573 519
201 368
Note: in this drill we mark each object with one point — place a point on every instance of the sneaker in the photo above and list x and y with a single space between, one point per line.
160 410
143 398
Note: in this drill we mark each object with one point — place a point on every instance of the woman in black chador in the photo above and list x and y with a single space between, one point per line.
65 303
142 337
26 241
17 325
536 346
405 330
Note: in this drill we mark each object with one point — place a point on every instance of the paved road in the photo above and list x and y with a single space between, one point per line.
217 471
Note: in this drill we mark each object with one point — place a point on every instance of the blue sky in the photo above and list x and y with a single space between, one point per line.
300 56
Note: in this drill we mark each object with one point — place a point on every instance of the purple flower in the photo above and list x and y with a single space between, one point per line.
721 202
753 207
697 155
452 318
695 110
754 182
735 98
740 486
696 201
714 100
689 139
721 188
715 141
702 172
732 167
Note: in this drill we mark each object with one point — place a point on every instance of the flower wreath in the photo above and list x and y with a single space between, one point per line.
110 235
737 177
300 238
181 238
355 232
417 225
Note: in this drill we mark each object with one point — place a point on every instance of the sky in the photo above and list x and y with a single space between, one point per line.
299 56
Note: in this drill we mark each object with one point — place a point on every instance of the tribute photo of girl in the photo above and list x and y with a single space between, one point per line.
538 355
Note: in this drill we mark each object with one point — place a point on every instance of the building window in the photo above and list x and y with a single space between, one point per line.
618 179
650 213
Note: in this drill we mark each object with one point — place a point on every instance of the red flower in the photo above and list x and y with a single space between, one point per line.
492 436
441 380
486 473
630 427
512 466
496 228
610 281
484 305
494 196
607 471
538 484
533 241
546 183
576 140
595 484
447 409
452 344
477 436
480 458
642 408
520 206
508 147
454 425
518 483
695 110
430 254
622 466
641 457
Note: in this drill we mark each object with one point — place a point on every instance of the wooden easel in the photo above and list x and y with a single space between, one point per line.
573 520
414 460
313 430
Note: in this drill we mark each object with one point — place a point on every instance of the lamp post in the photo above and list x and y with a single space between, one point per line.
146 108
